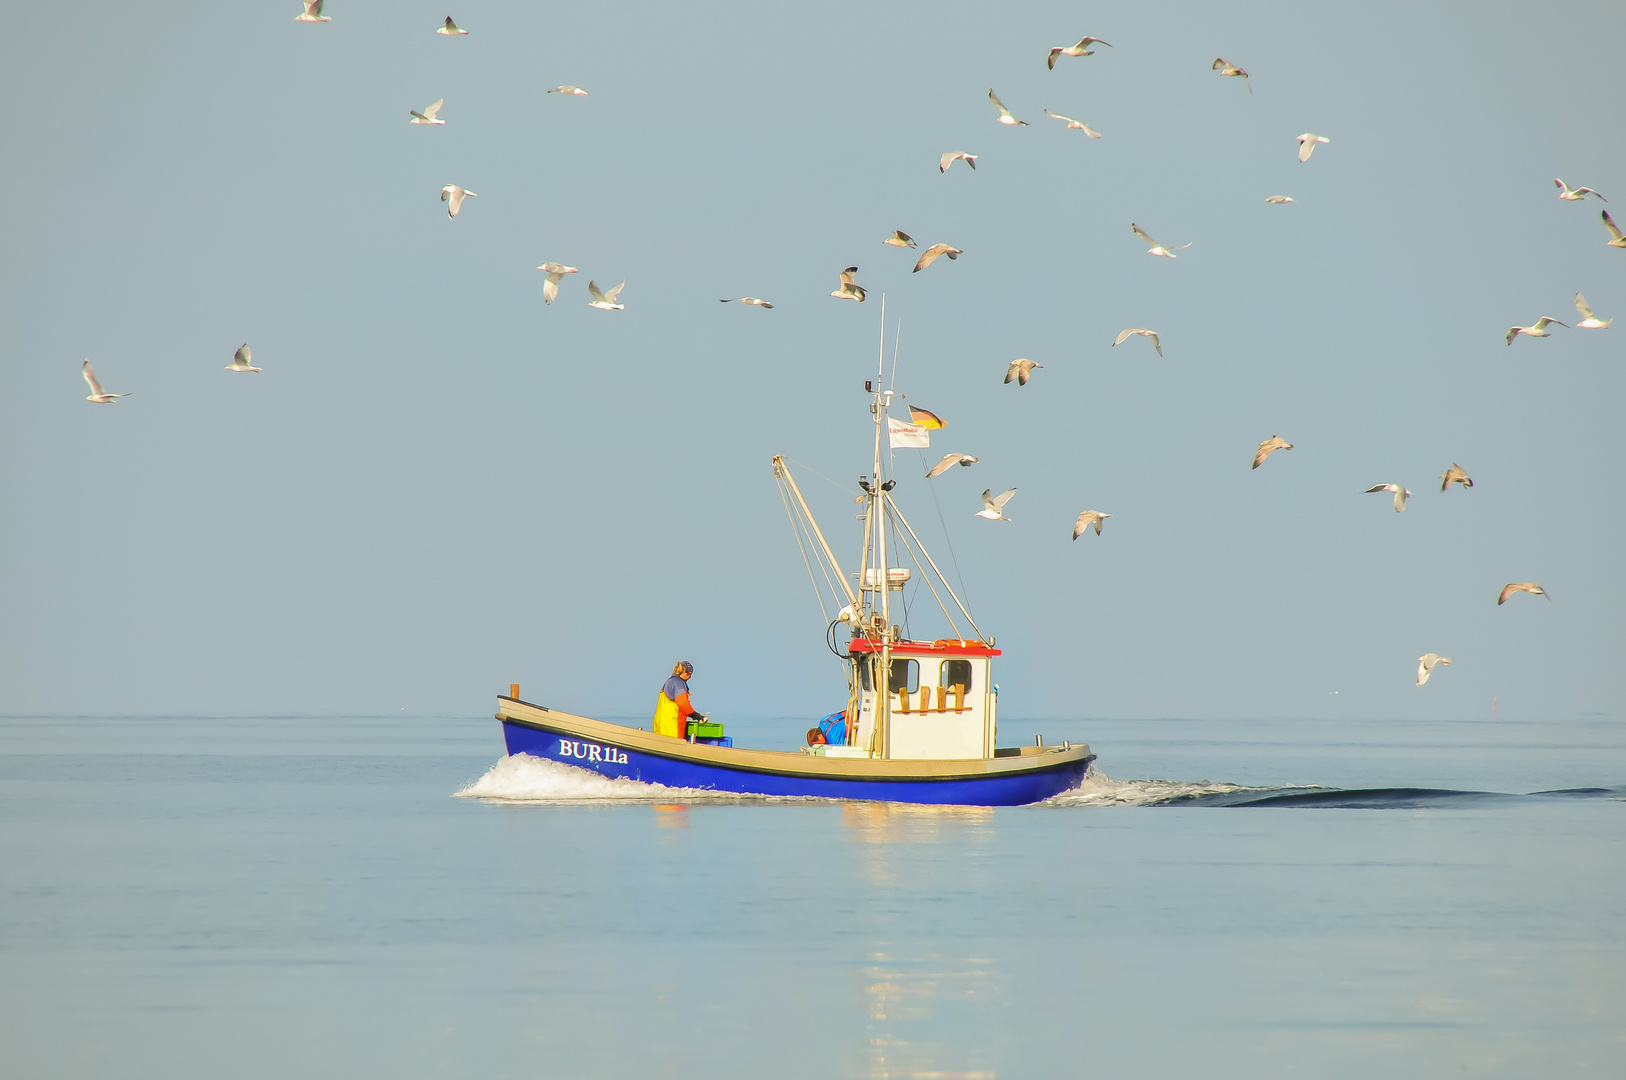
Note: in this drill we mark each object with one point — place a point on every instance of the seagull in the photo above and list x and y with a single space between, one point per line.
1225 67
1021 371
556 273
1278 199
1123 336
1589 321
993 506
1401 495
849 290
930 256
1157 248
1086 519
949 461
754 301
1005 116
1538 330
313 13
899 239
956 155
1269 447
97 394
450 29
1081 49
1426 664
453 197
1075 124
605 301
1520 586
573 91
1455 475
428 115
1569 194
1307 144
242 360
1616 239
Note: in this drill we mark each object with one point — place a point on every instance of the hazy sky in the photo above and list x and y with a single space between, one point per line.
439 485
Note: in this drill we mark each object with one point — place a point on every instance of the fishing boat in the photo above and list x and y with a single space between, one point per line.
921 721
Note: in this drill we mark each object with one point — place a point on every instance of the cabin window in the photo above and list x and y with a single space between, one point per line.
955 673
905 676
865 666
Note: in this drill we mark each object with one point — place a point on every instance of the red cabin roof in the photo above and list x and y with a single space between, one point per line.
940 647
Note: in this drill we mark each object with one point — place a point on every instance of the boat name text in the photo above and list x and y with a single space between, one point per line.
570 748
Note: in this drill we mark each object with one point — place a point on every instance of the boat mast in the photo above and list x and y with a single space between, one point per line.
883 715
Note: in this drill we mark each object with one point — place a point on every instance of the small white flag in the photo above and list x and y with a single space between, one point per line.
906 434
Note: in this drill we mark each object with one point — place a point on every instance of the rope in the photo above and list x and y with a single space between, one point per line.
928 580
952 557
797 532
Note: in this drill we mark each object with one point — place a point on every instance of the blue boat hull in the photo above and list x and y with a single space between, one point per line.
1014 787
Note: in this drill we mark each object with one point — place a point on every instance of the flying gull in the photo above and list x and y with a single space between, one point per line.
1021 371
1538 330
1569 194
849 290
1427 663
993 506
899 239
450 29
570 91
1401 495
1278 199
956 155
1307 144
313 13
97 394
1086 519
1005 116
1615 237
1520 586
1124 335
1081 49
1157 248
754 301
428 115
1225 67
1589 321
1269 447
930 255
948 462
242 360
556 273
453 197
1455 475
605 301
1072 124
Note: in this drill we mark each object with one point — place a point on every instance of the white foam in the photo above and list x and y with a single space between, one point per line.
1098 789
523 778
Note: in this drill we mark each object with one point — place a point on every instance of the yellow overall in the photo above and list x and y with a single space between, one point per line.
668 721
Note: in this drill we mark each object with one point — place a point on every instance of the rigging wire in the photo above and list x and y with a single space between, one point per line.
952 557
924 576
797 532
845 488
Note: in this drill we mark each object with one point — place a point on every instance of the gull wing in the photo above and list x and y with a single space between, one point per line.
1220 62
998 104
932 253
1123 336
899 234
90 377
550 288
1050 62
988 499
1140 232
948 462
847 275
1581 306
593 291
1306 148
611 294
314 7
1542 323
429 113
244 356
1382 487
1085 42
999 500
451 27
1588 191
1156 344
1609 223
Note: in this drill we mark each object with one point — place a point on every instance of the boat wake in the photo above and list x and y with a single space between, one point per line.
522 778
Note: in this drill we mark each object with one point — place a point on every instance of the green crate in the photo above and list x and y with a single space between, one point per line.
705 731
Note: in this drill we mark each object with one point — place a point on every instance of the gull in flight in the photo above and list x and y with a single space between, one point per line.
1569 194
949 461
97 394
930 255
899 239
1538 330
1124 335
1520 586
1269 447
754 301
1278 199
1088 518
428 115
605 301
556 273
1157 248
1072 124
450 29
1005 116
993 506
572 91
1401 495
1427 663
1615 237
956 155
313 13
1021 371
1307 144
453 197
1081 49
242 360
849 289
1455 475
1225 67
1589 321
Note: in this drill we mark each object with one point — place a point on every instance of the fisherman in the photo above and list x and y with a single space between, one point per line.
673 710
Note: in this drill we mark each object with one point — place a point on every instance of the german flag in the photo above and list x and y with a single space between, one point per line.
925 418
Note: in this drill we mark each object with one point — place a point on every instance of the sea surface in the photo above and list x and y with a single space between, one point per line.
296 896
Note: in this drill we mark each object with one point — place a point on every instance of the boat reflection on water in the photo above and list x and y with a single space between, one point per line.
671 816
905 990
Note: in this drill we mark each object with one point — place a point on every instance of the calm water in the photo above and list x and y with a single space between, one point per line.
306 897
